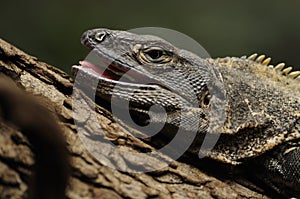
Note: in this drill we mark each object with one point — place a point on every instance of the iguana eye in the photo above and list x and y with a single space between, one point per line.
155 55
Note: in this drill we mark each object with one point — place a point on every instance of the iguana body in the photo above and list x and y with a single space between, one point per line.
262 104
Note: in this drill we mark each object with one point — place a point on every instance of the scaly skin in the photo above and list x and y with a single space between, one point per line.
262 123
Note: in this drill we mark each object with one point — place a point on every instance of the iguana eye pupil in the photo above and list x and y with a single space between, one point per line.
155 54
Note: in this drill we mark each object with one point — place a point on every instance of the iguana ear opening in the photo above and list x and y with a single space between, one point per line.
205 99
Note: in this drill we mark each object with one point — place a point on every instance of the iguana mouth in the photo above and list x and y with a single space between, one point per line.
112 71
108 72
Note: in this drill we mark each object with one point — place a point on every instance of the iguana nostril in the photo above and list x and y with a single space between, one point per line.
100 36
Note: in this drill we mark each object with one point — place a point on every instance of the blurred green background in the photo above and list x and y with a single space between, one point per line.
50 30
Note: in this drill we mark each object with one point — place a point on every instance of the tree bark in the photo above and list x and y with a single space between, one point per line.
89 177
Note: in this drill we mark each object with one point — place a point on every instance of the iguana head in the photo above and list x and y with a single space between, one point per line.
150 60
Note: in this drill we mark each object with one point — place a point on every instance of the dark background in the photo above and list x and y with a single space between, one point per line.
50 30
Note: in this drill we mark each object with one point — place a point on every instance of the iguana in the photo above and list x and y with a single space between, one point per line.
262 125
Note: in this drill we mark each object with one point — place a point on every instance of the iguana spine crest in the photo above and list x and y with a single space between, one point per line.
287 71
